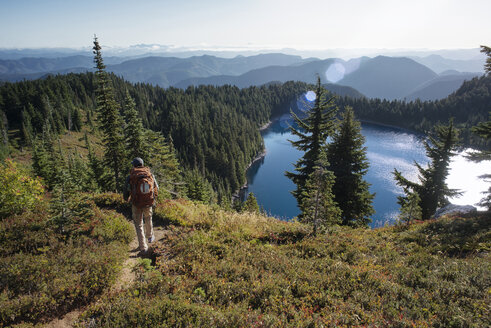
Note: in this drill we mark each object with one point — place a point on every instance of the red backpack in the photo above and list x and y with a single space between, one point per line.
143 189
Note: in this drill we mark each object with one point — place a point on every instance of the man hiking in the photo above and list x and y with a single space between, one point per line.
142 189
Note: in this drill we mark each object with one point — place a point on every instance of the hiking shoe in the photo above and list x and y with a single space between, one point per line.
151 239
143 253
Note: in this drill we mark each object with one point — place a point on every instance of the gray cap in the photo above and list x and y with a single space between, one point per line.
137 162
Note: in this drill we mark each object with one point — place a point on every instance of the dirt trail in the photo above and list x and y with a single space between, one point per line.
124 280
127 276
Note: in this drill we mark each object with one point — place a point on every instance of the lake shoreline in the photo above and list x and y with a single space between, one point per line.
395 127
261 155
267 125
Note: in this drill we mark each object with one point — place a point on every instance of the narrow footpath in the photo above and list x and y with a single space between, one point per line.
124 280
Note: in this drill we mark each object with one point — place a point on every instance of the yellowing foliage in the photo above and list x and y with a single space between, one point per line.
18 190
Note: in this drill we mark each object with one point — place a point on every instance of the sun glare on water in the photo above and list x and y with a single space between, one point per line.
464 175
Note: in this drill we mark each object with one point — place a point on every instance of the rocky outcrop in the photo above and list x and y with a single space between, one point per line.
452 209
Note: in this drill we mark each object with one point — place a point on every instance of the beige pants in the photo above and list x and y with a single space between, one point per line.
140 215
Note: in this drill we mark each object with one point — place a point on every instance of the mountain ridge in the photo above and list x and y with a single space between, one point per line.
379 77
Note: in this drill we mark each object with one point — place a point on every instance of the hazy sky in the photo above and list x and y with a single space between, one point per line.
301 24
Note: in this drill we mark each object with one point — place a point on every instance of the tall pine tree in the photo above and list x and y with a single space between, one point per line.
98 175
164 164
348 161
133 130
109 119
432 188
312 132
483 130
487 51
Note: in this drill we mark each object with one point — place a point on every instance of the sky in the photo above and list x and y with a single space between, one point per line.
259 24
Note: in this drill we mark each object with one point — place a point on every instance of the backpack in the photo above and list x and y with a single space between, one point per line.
143 189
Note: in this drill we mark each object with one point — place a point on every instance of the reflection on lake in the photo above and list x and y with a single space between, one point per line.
387 148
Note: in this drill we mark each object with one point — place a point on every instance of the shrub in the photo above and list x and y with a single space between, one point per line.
19 191
244 270
172 212
46 272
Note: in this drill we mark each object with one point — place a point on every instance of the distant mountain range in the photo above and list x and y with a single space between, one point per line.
441 86
388 77
148 50
440 64
171 71
379 77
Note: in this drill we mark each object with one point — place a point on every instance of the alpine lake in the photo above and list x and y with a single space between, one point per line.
387 148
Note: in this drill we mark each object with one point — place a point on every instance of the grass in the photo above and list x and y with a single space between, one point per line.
70 141
47 270
221 269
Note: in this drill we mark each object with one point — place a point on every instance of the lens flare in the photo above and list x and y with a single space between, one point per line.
335 72
310 95
352 65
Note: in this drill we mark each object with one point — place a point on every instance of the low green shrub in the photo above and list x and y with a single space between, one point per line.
113 202
46 272
452 236
249 271
171 212
19 191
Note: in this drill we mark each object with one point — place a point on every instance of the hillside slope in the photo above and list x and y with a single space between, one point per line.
304 73
388 77
440 64
440 87
223 269
217 268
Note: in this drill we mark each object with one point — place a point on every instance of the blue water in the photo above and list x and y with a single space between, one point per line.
387 148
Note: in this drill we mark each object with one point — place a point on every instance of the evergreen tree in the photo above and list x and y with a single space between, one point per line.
214 129
133 131
40 159
312 132
410 209
487 66
432 188
164 164
97 174
318 205
109 120
47 159
348 161
27 129
483 130
66 201
198 188
77 119
4 138
65 197
250 204
78 170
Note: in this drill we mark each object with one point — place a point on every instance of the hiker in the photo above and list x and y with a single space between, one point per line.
142 189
